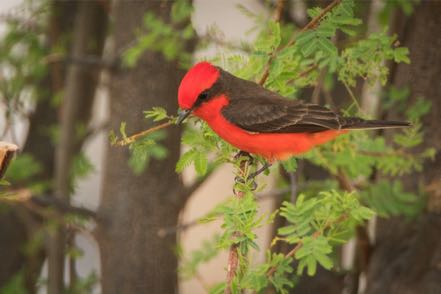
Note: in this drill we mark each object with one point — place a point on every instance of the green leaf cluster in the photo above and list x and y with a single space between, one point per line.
389 199
318 223
146 148
191 263
367 57
168 37
257 278
205 145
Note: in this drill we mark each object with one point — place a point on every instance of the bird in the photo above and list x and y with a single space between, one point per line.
259 121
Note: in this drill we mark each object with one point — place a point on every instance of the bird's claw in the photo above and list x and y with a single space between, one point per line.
240 180
244 154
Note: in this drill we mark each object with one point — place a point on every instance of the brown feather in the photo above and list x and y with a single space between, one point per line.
256 109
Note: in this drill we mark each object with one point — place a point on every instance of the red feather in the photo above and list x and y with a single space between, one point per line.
277 146
200 77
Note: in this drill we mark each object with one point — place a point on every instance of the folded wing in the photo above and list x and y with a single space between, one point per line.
269 115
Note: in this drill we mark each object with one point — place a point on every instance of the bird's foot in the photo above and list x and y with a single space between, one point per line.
251 177
240 180
241 153
264 167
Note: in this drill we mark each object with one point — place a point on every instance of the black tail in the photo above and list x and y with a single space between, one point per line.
356 123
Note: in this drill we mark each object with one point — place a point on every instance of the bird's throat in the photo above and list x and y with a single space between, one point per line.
211 109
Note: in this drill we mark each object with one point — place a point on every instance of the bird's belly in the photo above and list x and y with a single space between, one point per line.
272 146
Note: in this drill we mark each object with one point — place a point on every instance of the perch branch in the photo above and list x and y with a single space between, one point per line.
134 137
233 254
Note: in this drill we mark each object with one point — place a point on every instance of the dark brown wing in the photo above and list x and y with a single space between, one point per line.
272 115
259 110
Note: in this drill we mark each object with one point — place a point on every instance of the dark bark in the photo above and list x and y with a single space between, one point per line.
407 254
10 234
17 225
323 282
88 39
134 259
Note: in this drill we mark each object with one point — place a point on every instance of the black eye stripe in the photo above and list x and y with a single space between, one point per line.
203 95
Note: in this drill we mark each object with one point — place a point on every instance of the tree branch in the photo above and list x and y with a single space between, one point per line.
40 203
233 254
136 136
363 243
313 23
84 60
189 190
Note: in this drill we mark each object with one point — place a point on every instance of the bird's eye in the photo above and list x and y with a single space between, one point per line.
203 95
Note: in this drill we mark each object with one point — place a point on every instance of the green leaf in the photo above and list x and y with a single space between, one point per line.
401 55
81 166
290 165
311 265
201 163
218 288
23 168
157 114
324 260
146 148
122 130
4 182
185 160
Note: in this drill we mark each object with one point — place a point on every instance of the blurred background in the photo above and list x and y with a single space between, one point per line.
65 84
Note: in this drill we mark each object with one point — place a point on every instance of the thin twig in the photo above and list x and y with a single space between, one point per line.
289 254
280 6
246 48
163 232
315 97
351 94
25 197
313 23
189 190
134 137
303 73
363 243
73 275
344 182
201 281
86 60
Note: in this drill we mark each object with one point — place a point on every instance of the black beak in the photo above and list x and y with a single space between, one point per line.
182 115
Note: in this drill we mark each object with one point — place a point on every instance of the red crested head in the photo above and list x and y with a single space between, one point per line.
198 78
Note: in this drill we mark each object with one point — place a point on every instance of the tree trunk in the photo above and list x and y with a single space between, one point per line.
18 224
134 259
88 39
407 255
